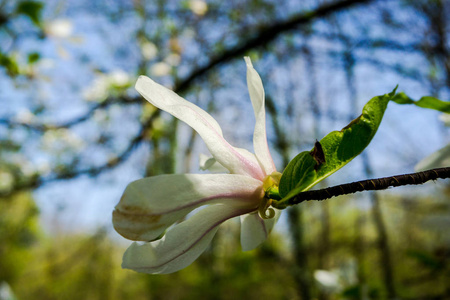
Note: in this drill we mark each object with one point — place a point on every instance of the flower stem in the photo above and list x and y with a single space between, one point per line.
272 193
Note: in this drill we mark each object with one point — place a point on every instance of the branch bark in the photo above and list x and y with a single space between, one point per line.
266 35
371 184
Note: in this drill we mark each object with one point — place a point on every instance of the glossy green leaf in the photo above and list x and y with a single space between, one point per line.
424 102
339 148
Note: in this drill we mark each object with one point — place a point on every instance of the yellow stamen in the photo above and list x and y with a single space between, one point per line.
270 183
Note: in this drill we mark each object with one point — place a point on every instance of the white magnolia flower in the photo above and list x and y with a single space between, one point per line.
151 205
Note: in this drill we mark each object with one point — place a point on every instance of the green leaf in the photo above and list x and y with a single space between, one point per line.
9 64
424 102
298 174
339 148
32 9
33 57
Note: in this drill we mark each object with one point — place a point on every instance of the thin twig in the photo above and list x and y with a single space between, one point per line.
267 34
370 185
37 181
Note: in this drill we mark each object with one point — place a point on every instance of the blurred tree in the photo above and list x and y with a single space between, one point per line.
19 231
68 111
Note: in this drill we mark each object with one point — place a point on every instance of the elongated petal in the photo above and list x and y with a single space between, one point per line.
256 91
203 123
255 230
150 205
182 244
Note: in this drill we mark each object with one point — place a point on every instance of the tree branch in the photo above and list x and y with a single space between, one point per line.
37 181
266 35
370 185
40 127
263 37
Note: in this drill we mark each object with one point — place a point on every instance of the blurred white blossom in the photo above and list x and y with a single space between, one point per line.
101 87
59 28
160 69
119 78
149 50
173 59
198 7
328 281
98 91
25 116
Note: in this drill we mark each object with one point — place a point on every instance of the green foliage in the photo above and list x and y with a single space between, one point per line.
87 266
339 148
32 9
424 102
10 64
355 292
33 57
425 259
18 232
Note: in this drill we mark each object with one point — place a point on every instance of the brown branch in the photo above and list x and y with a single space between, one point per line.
370 185
77 120
266 35
37 181
263 37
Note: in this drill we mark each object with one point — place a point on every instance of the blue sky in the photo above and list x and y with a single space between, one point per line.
406 135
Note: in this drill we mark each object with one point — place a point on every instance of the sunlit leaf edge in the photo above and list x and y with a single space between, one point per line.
302 172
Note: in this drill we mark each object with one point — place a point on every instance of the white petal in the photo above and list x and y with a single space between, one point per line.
150 205
438 159
203 123
182 244
207 163
255 230
256 91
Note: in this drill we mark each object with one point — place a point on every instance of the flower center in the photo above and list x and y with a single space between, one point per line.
270 186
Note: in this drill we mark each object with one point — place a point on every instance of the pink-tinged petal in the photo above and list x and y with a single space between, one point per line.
150 205
203 123
255 230
256 91
182 244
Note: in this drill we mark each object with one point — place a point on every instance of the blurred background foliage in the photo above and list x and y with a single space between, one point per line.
73 133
